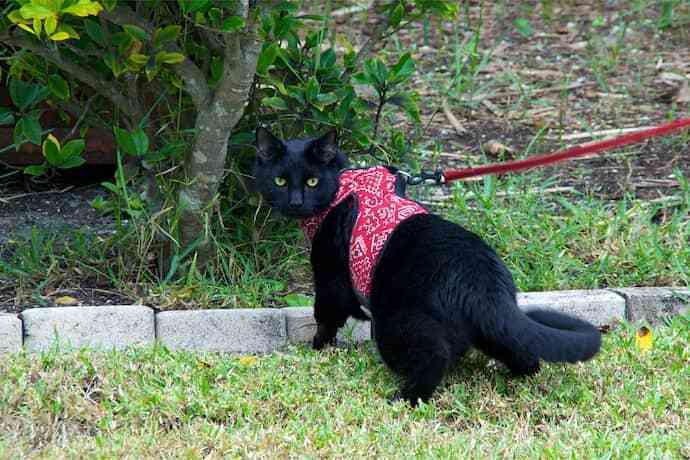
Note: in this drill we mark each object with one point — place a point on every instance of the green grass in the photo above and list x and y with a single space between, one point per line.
571 241
155 403
549 241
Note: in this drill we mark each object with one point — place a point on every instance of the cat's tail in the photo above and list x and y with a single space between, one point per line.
520 339
557 337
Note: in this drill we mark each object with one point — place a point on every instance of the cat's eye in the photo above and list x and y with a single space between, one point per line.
280 181
312 182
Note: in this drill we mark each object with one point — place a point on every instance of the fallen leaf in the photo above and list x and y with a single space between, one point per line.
248 360
643 339
683 93
66 300
496 148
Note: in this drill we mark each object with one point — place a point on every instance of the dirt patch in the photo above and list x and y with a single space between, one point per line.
54 207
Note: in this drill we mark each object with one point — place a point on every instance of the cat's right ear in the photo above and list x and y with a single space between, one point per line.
267 145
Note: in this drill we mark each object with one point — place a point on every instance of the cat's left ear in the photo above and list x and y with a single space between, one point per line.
326 147
267 145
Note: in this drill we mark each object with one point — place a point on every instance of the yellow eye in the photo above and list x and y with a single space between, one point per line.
312 182
280 182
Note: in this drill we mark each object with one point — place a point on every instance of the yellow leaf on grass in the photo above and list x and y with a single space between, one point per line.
248 360
66 300
643 339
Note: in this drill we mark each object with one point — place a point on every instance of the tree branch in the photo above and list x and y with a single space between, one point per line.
103 87
194 79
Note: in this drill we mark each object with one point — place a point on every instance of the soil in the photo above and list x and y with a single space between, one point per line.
577 72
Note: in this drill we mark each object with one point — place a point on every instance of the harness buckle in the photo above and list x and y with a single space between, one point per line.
426 177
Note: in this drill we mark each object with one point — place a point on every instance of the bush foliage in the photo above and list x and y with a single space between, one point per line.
181 84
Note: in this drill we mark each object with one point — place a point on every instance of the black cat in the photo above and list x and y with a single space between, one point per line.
436 289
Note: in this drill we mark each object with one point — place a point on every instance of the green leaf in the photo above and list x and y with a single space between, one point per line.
298 300
73 148
6 116
523 27
408 102
124 140
363 78
244 137
95 32
36 170
135 143
326 98
83 8
50 24
141 142
136 32
214 15
232 24
33 11
72 162
328 58
313 89
64 32
376 72
396 16
51 151
190 6
27 129
166 34
58 86
403 69
16 17
165 57
138 59
110 60
266 58
24 95
274 102
110 187
109 4
59 36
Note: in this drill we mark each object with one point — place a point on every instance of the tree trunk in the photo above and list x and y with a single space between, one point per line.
214 123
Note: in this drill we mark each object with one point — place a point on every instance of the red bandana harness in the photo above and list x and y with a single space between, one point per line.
379 211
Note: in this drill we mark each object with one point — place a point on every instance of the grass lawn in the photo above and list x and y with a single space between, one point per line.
154 403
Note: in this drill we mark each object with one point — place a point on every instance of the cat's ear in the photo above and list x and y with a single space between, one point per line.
267 145
326 147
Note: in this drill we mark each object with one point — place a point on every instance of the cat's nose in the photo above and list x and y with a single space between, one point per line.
295 200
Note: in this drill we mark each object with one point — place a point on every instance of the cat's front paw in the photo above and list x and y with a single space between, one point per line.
320 341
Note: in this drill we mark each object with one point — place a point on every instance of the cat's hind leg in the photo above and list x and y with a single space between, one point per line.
519 363
413 345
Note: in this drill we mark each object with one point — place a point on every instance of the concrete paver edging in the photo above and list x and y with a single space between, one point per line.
107 327
263 330
10 333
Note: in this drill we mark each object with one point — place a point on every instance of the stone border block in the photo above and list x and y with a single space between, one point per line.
10 333
599 306
654 304
105 327
354 331
301 327
257 330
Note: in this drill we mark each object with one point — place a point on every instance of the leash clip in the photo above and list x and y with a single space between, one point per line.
427 177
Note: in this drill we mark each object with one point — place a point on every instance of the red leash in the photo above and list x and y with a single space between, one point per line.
572 152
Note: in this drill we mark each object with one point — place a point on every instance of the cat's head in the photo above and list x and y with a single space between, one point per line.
297 177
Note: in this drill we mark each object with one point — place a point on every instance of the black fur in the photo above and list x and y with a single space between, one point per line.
437 289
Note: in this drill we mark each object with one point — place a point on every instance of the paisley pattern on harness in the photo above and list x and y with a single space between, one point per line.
379 212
